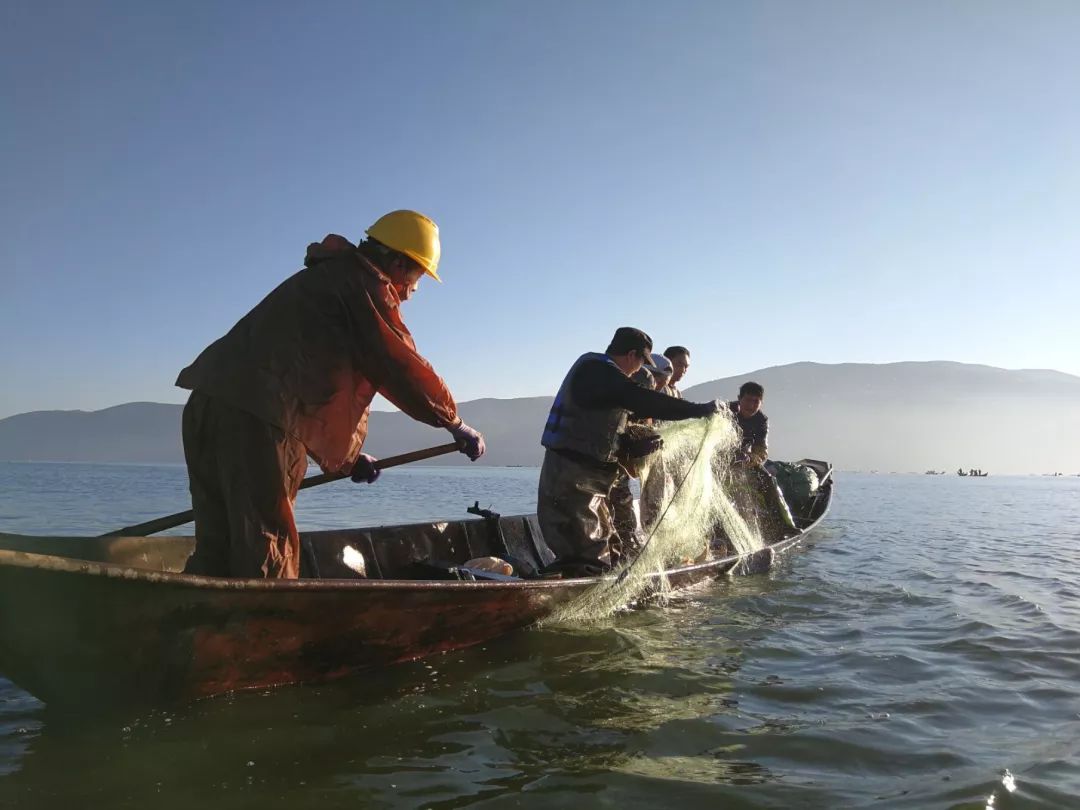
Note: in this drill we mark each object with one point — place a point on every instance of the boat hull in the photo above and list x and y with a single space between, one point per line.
93 635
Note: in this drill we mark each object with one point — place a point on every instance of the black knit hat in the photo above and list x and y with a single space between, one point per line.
628 339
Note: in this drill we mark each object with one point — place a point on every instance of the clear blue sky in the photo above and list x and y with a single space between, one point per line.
765 182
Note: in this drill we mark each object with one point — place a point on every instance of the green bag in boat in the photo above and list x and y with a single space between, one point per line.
798 482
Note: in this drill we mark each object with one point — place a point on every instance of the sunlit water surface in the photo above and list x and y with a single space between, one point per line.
921 651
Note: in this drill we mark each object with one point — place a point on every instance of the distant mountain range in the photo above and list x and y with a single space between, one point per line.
896 416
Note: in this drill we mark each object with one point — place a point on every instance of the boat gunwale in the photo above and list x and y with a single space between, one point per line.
69 565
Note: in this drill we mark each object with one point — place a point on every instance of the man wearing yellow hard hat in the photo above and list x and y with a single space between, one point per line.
295 378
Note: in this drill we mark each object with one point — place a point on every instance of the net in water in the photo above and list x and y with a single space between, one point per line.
693 507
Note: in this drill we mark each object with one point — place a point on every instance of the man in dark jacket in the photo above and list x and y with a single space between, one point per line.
584 437
753 423
754 452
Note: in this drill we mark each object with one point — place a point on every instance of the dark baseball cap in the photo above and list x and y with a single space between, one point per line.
627 339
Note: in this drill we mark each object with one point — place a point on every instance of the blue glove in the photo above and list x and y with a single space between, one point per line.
364 470
470 442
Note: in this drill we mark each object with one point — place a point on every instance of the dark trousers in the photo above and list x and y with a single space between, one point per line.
573 510
244 475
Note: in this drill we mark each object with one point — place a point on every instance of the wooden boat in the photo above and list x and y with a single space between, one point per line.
87 621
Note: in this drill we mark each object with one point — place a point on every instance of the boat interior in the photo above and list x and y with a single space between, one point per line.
435 550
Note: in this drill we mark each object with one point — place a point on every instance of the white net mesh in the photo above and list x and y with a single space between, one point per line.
691 508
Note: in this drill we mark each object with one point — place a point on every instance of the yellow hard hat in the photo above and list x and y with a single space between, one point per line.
411 233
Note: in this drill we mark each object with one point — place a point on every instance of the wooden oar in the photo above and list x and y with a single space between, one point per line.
180 518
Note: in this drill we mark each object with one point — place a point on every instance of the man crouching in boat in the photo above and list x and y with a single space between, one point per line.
295 378
750 462
584 436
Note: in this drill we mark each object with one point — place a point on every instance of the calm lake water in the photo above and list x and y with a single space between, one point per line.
921 651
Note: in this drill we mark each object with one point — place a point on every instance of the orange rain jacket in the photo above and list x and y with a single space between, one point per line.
311 356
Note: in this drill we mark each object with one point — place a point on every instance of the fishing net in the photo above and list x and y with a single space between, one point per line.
687 509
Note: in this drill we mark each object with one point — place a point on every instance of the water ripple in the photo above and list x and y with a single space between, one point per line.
923 651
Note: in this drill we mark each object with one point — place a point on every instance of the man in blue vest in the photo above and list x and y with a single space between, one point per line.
584 437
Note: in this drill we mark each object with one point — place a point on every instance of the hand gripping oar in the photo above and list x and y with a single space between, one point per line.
180 518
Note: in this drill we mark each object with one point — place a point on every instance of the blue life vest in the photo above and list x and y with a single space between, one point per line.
593 432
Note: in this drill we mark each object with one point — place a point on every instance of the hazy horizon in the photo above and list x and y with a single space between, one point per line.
902 416
179 396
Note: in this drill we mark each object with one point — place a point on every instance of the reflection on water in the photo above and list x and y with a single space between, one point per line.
921 652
